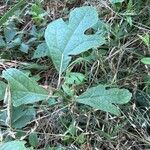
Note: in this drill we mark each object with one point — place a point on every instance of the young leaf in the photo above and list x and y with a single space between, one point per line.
71 129
13 145
9 32
2 42
37 12
81 138
66 39
146 60
41 51
67 90
145 39
24 47
116 1
33 139
104 99
74 78
23 89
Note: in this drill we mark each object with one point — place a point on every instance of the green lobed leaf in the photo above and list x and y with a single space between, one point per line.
68 38
23 89
104 99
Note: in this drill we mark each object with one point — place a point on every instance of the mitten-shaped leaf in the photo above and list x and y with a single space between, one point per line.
104 99
68 38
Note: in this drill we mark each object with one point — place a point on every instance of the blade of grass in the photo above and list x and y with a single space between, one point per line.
9 13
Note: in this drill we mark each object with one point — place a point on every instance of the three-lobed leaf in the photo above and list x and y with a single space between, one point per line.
104 99
23 89
65 39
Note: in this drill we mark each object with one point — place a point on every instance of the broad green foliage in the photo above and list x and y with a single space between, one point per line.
14 145
2 90
23 89
19 89
65 39
146 60
104 99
